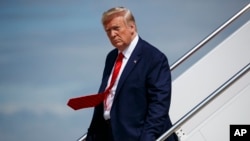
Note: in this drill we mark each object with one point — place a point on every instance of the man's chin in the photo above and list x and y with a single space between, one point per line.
118 45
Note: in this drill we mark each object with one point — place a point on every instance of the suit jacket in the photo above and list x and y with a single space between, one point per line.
142 100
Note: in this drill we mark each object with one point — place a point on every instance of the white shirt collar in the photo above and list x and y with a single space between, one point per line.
128 51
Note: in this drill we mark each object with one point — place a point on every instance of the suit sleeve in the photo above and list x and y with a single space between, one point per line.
159 96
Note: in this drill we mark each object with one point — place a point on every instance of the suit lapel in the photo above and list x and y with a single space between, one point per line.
132 62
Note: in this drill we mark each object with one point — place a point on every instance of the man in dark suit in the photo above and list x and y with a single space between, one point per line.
137 106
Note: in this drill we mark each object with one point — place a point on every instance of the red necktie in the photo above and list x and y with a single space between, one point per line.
95 99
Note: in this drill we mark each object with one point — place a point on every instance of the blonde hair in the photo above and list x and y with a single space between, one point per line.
116 12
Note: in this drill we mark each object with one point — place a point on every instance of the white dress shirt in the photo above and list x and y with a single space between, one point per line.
127 53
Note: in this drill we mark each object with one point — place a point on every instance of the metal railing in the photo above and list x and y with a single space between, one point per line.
83 137
208 38
181 60
205 102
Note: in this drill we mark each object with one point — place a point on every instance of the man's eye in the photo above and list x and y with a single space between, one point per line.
108 30
116 28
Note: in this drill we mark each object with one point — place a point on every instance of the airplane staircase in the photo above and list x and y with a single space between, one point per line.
216 89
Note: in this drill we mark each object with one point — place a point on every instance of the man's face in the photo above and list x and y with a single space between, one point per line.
119 33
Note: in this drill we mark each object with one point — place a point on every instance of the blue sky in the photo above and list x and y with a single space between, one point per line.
52 50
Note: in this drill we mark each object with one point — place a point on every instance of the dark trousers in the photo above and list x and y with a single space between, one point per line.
109 134
105 134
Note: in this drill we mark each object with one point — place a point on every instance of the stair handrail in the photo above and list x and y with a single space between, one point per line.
204 102
83 137
188 54
209 37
